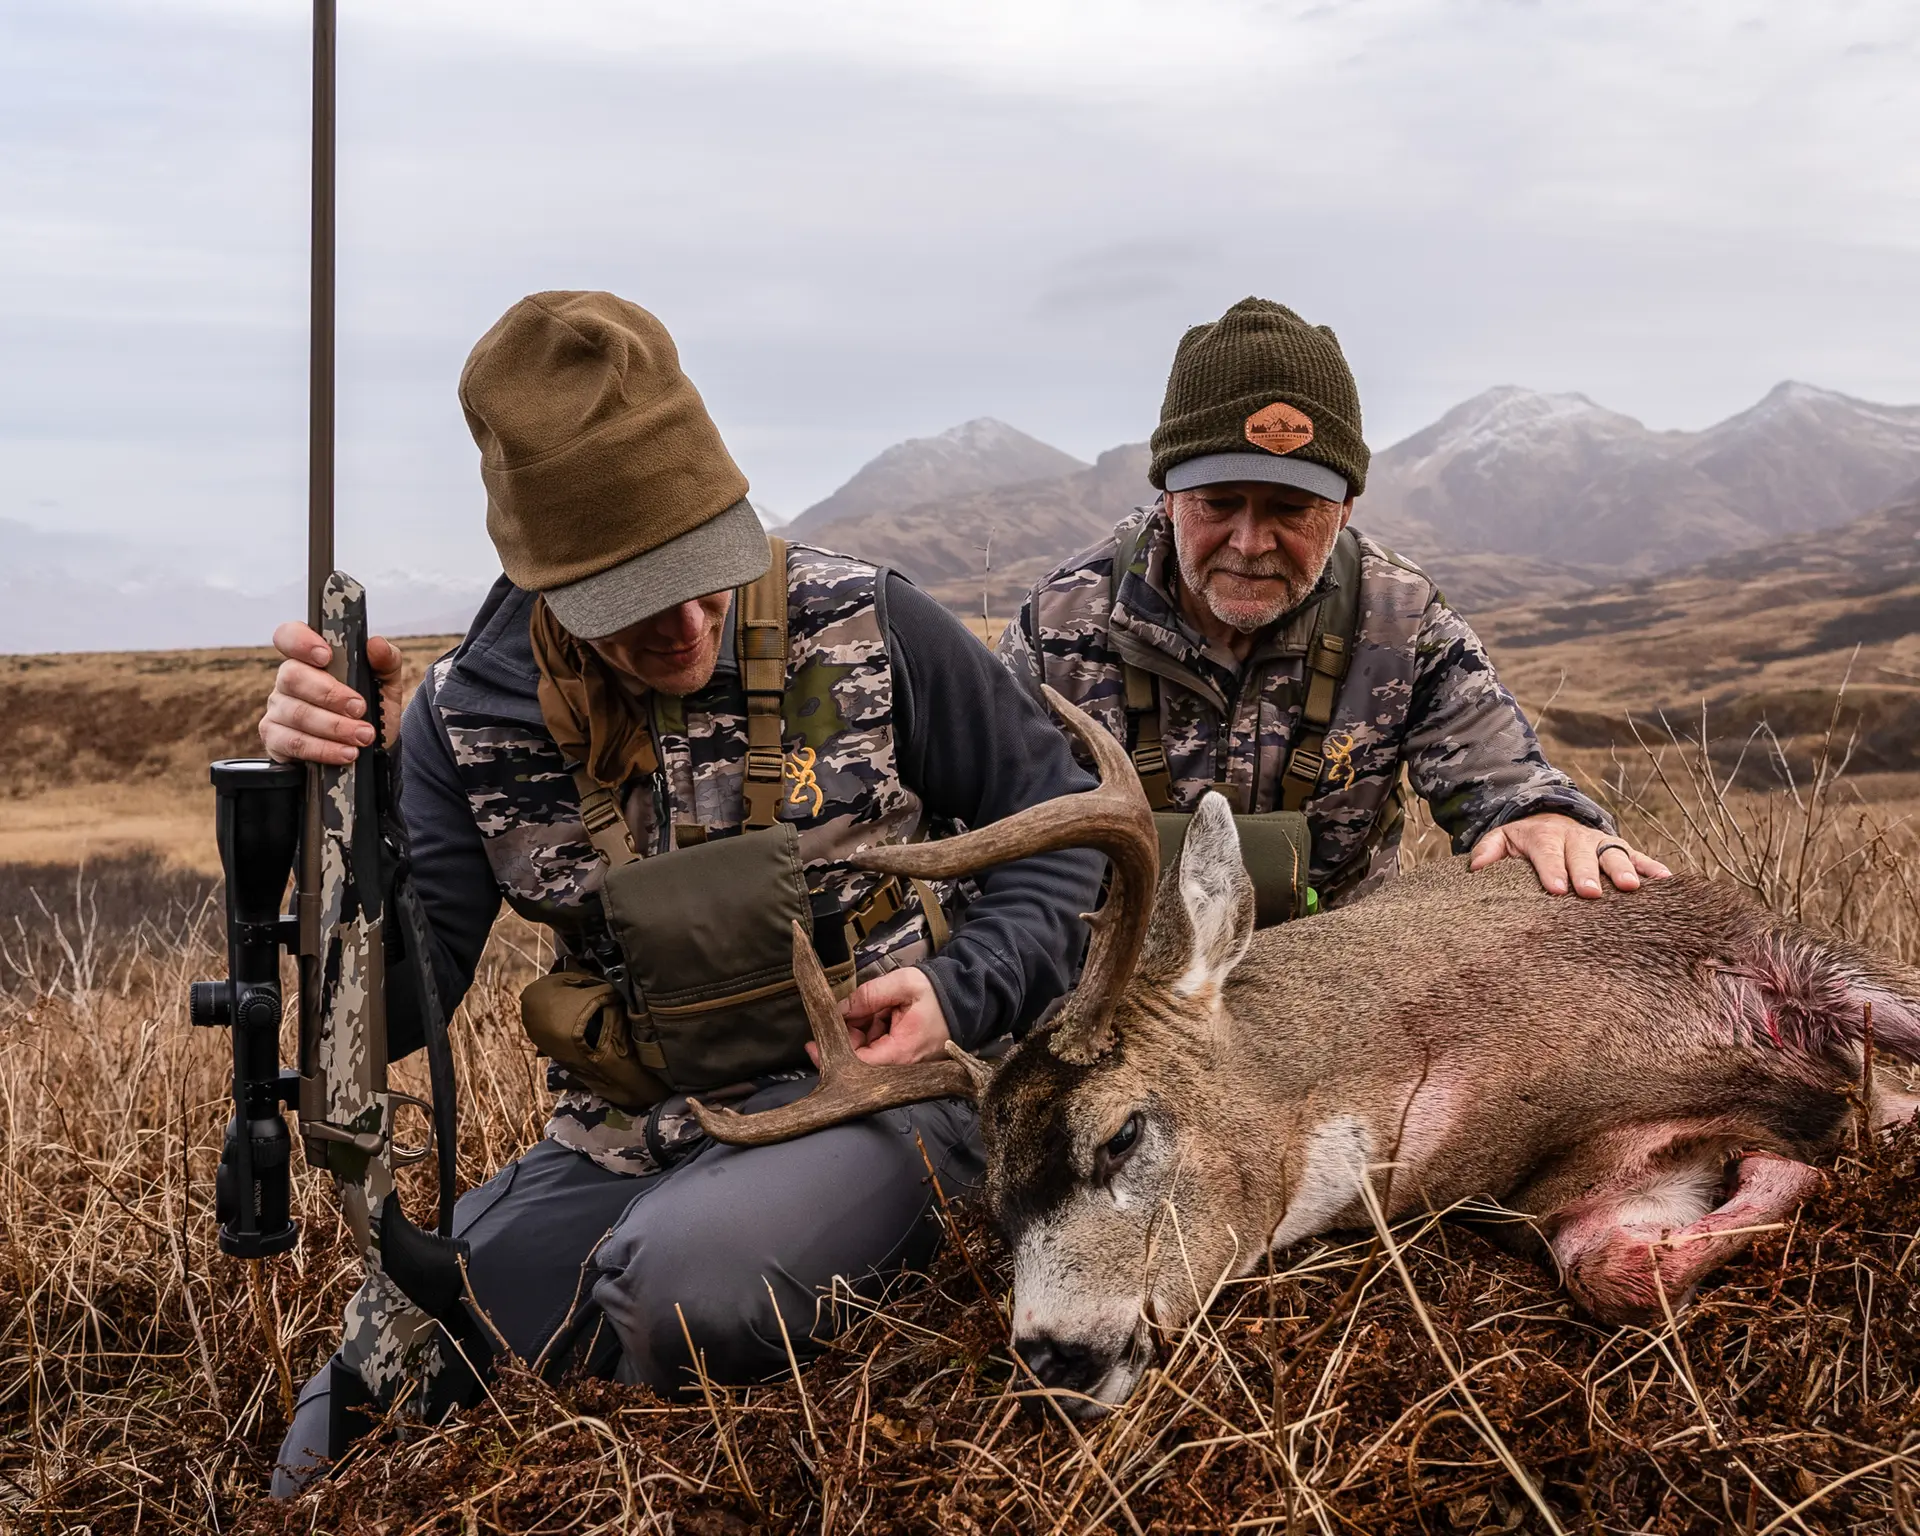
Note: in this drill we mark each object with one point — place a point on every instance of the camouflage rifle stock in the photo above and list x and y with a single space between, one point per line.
364 938
358 933
358 905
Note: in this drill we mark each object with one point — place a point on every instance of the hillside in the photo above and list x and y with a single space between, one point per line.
974 456
62 591
1513 496
107 751
942 544
1762 634
1559 478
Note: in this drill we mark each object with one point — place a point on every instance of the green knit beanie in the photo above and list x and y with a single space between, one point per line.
1260 395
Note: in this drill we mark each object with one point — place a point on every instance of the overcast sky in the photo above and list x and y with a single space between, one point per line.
867 221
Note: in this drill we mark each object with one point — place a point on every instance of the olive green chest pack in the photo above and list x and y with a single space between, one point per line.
696 990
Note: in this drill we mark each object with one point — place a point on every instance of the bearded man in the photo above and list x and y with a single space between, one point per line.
1239 636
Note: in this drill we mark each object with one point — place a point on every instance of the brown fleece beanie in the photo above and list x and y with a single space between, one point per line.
594 446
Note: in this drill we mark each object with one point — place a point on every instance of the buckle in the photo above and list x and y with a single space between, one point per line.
1149 760
1306 765
764 763
599 812
880 908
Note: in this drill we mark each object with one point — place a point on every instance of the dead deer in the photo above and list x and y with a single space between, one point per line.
1639 1080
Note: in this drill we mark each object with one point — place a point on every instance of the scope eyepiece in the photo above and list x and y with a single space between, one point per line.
209 1003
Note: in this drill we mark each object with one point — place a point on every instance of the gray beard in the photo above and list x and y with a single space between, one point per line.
1292 597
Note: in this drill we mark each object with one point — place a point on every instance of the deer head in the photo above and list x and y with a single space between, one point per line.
1107 1173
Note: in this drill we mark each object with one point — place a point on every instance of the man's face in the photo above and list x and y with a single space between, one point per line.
672 652
1250 551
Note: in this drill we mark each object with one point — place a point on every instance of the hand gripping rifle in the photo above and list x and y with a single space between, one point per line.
357 928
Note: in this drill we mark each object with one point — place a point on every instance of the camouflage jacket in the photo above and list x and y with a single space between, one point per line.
1420 693
477 753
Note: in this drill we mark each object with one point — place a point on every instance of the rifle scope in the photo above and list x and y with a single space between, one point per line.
258 807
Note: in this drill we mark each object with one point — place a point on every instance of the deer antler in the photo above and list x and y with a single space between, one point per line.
849 1087
1114 818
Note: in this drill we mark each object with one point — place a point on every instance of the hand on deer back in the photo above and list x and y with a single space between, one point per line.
1568 855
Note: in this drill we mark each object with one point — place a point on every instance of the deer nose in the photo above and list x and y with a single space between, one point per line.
1061 1362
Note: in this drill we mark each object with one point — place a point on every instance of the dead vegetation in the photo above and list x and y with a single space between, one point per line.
1416 1380
103 753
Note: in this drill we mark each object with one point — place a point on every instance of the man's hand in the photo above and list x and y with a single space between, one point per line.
894 1019
311 718
1565 852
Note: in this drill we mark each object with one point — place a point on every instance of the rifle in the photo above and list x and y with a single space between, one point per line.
356 927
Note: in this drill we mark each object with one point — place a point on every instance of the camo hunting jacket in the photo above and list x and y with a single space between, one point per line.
843 794
1420 693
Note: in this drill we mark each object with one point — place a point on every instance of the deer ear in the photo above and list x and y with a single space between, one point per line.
1217 895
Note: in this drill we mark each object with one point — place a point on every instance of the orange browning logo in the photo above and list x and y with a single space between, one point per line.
799 767
1339 756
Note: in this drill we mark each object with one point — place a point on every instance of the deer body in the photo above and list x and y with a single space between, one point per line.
1637 1082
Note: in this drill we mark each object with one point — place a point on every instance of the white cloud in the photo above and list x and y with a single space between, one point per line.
866 221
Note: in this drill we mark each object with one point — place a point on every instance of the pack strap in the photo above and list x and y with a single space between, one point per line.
607 828
762 610
888 901
1143 732
1329 654
1143 696
937 930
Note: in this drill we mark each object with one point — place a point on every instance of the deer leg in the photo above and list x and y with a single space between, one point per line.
1619 1256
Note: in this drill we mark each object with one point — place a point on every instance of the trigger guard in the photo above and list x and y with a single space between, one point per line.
406 1157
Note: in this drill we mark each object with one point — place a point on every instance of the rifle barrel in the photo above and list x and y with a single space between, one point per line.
320 325
319 502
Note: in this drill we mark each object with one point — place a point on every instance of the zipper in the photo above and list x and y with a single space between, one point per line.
662 812
1222 760
1225 733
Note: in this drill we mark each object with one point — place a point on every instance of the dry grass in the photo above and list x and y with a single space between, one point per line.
103 753
1408 1381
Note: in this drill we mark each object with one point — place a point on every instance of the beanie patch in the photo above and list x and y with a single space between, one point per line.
1279 428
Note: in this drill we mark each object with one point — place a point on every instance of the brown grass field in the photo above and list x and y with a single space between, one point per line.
1406 1381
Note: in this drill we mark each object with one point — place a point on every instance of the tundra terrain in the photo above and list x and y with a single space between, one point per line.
1751 717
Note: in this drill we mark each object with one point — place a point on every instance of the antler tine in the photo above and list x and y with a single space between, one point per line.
849 1087
1114 818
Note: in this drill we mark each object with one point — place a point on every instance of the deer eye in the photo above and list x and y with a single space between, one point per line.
1114 1150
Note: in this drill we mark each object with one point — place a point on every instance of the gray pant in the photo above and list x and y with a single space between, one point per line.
601 1267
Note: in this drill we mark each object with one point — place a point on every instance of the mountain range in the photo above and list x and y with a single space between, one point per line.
1511 496
977 455
989 546
63 592
1559 478
1761 636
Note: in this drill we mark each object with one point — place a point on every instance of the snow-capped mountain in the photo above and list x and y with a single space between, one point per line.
1557 477
63 592
977 455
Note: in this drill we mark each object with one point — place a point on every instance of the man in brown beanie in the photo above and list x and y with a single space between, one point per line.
664 737
1238 636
